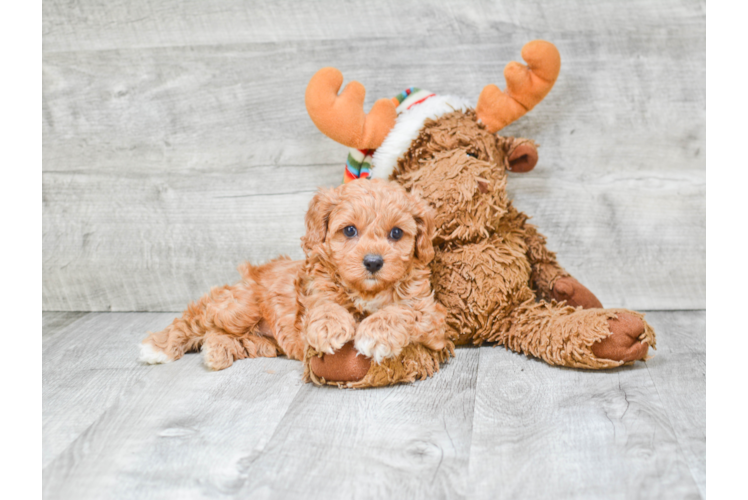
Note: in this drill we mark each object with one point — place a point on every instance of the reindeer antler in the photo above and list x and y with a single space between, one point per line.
525 86
341 117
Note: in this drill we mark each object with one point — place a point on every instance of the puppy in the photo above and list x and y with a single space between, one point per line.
365 279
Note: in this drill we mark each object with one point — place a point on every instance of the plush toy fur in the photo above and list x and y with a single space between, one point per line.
492 270
330 299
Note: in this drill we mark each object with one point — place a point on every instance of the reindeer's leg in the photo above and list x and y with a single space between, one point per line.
549 279
347 368
546 270
581 338
407 343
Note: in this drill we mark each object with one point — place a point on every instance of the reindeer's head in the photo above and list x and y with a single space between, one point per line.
439 146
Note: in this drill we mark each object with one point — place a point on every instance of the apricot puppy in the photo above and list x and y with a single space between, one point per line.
365 279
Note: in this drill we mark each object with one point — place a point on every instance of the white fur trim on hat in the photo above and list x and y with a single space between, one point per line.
406 129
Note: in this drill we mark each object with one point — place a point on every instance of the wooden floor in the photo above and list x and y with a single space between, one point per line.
491 424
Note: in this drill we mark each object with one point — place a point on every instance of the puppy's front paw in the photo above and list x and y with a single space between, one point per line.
329 334
377 339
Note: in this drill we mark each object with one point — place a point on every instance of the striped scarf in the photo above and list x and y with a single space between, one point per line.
358 165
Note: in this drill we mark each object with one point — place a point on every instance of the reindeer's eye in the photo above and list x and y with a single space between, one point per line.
396 233
350 231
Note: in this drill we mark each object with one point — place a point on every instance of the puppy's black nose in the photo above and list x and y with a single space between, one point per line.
373 263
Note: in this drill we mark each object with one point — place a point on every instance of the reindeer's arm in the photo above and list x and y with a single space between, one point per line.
545 268
547 277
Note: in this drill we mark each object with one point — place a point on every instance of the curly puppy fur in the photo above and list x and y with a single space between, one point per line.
284 307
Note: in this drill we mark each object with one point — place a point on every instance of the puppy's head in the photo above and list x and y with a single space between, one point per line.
370 232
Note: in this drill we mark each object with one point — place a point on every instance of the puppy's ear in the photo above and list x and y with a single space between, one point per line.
424 217
317 218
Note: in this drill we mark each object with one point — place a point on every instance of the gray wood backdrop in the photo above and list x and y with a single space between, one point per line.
176 143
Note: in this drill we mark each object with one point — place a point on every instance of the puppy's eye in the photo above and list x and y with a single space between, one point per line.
472 155
396 233
350 231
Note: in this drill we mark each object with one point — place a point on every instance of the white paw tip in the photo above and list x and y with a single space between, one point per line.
370 348
151 356
210 361
364 346
207 358
381 352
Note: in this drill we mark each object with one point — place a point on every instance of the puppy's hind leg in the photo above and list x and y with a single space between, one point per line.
182 335
225 311
220 350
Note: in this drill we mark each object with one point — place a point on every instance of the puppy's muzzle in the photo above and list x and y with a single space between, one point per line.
373 263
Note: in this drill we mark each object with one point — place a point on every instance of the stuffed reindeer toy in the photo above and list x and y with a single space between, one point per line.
491 271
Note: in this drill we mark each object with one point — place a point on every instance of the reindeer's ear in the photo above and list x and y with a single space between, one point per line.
425 227
520 155
525 86
317 218
341 117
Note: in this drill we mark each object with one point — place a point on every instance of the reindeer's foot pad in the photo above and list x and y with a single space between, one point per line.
345 365
347 368
574 293
629 339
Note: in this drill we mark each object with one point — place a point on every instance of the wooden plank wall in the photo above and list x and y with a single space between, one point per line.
176 142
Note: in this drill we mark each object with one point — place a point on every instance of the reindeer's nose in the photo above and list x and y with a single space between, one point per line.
373 263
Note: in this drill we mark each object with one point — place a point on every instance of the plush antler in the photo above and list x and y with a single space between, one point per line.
341 117
525 86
